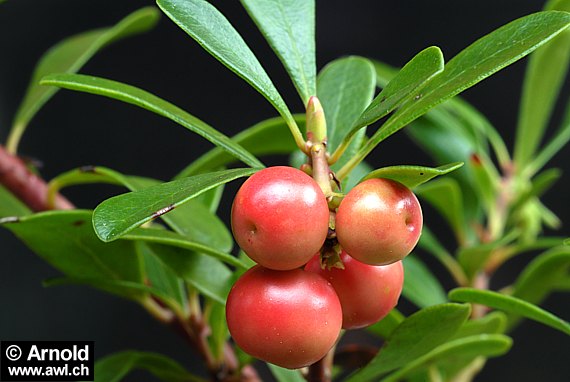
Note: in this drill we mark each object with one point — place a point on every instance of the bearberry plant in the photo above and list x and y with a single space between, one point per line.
325 240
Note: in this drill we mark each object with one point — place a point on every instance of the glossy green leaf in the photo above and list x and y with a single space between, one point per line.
205 24
148 101
445 195
285 375
409 80
345 87
205 273
416 336
487 345
492 323
69 56
266 137
509 304
355 176
168 238
289 27
420 286
65 239
197 223
478 61
545 74
192 220
388 324
115 367
10 205
162 279
543 274
412 176
461 118
120 214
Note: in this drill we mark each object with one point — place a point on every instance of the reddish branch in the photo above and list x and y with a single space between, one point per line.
27 186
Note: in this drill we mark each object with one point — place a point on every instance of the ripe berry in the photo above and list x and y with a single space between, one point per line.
280 218
367 293
289 318
379 222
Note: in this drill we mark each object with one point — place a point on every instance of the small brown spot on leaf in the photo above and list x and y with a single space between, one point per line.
78 223
88 168
162 211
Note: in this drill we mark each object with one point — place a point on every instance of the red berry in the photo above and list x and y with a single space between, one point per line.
367 293
379 222
289 318
280 218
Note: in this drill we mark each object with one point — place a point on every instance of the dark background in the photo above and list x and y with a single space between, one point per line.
77 129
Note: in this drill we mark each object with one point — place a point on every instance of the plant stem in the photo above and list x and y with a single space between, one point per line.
296 133
27 186
14 138
321 371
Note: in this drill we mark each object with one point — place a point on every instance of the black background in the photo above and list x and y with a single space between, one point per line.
77 129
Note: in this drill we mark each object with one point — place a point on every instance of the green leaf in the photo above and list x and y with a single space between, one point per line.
285 375
487 345
429 243
10 205
345 87
477 62
546 153
205 273
266 137
192 220
113 368
473 258
417 335
289 27
544 78
69 56
491 323
159 236
120 214
148 101
65 239
543 275
445 196
163 279
388 324
410 79
412 176
216 315
420 285
440 125
205 24
509 304
479 127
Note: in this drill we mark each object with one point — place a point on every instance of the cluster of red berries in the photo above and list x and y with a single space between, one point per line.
288 309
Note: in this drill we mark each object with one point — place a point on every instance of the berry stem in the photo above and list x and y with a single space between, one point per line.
317 145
